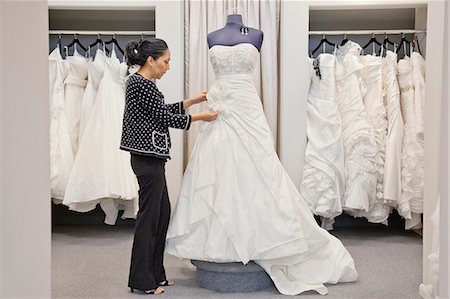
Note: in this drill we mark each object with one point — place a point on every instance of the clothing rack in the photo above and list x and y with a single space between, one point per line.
85 32
367 32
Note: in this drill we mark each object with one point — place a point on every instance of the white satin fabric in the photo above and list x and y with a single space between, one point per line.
323 178
238 204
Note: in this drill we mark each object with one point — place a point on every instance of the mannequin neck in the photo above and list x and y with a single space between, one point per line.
234 19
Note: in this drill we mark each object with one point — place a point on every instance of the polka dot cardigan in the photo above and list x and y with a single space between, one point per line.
147 118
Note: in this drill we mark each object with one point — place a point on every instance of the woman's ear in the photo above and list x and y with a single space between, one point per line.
150 60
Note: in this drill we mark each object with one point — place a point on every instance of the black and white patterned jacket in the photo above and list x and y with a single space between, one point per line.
147 118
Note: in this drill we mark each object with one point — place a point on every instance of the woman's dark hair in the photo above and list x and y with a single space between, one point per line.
136 53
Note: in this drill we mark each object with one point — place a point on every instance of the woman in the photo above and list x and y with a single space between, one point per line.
146 136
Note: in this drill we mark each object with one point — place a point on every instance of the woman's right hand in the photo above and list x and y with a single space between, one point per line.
205 116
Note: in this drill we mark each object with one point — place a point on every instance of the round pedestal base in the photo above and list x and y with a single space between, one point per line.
231 277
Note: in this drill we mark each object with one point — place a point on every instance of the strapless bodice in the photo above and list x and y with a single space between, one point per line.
239 59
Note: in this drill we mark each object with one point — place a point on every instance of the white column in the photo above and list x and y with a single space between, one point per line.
24 153
444 236
294 71
432 122
169 22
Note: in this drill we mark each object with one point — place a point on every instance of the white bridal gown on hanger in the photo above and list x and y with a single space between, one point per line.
412 86
359 141
372 91
61 155
74 86
96 67
237 202
323 177
396 129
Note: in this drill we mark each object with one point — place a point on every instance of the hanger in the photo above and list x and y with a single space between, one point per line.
76 42
373 41
58 44
323 42
403 43
345 40
97 43
416 44
387 42
115 43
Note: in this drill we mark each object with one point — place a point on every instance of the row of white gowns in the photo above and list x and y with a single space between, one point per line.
365 148
87 104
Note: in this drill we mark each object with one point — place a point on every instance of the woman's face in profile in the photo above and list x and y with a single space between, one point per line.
162 65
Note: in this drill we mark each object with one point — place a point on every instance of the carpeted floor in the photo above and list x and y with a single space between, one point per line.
93 262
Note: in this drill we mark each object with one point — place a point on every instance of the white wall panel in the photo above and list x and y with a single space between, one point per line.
24 156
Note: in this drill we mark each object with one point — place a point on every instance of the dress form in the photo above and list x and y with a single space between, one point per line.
235 32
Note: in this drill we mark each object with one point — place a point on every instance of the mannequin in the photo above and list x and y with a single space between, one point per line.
235 32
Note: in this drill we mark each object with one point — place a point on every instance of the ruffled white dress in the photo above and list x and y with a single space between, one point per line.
372 91
323 178
61 155
418 63
102 172
237 202
412 86
359 141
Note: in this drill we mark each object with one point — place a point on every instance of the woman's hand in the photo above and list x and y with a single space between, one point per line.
200 98
205 116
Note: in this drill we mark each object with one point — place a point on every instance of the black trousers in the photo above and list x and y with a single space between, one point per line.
152 221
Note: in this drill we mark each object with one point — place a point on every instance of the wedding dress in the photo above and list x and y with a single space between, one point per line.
96 67
412 94
359 141
396 129
61 154
237 202
323 179
74 86
372 91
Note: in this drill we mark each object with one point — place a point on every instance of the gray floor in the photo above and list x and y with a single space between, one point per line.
93 262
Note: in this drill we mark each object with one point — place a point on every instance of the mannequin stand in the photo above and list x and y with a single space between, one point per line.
231 277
